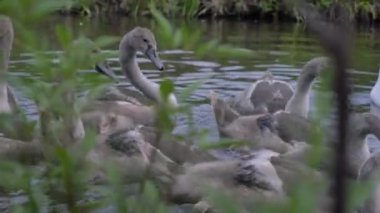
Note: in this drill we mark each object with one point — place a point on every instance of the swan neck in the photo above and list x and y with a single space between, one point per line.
299 102
304 82
136 77
4 103
134 74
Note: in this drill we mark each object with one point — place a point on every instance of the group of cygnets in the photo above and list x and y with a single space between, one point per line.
270 116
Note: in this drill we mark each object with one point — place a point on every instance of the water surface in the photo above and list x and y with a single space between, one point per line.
279 48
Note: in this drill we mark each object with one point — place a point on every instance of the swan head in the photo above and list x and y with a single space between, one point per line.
315 65
142 40
103 67
223 113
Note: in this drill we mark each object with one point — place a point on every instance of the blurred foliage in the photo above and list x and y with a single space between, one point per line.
62 182
364 10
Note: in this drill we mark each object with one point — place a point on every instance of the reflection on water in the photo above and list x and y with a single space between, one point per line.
282 49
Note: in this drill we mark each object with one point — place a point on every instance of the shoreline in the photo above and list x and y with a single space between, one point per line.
358 12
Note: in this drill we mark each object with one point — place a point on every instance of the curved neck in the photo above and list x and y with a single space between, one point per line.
4 103
299 102
304 82
132 71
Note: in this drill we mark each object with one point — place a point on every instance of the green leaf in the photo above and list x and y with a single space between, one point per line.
166 88
46 7
64 35
186 92
117 196
163 23
104 41
177 39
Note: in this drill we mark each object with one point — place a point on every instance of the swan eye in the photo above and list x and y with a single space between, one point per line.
145 40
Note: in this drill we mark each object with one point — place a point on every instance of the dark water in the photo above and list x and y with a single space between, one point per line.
279 48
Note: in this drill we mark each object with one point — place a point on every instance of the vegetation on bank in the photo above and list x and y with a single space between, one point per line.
361 10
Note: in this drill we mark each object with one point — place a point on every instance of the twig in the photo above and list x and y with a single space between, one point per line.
335 38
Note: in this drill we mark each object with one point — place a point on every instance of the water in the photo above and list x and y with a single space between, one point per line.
279 48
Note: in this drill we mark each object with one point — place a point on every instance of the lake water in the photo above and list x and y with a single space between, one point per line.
279 48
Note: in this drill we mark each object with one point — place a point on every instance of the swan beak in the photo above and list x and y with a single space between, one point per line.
104 69
152 55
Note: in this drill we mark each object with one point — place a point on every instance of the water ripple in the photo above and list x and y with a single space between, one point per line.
280 51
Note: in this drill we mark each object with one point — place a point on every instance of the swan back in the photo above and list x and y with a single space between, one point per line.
264 95
375 92
257 170
370 171
291 127
360 125
272 93
251 177
291 172
224 115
